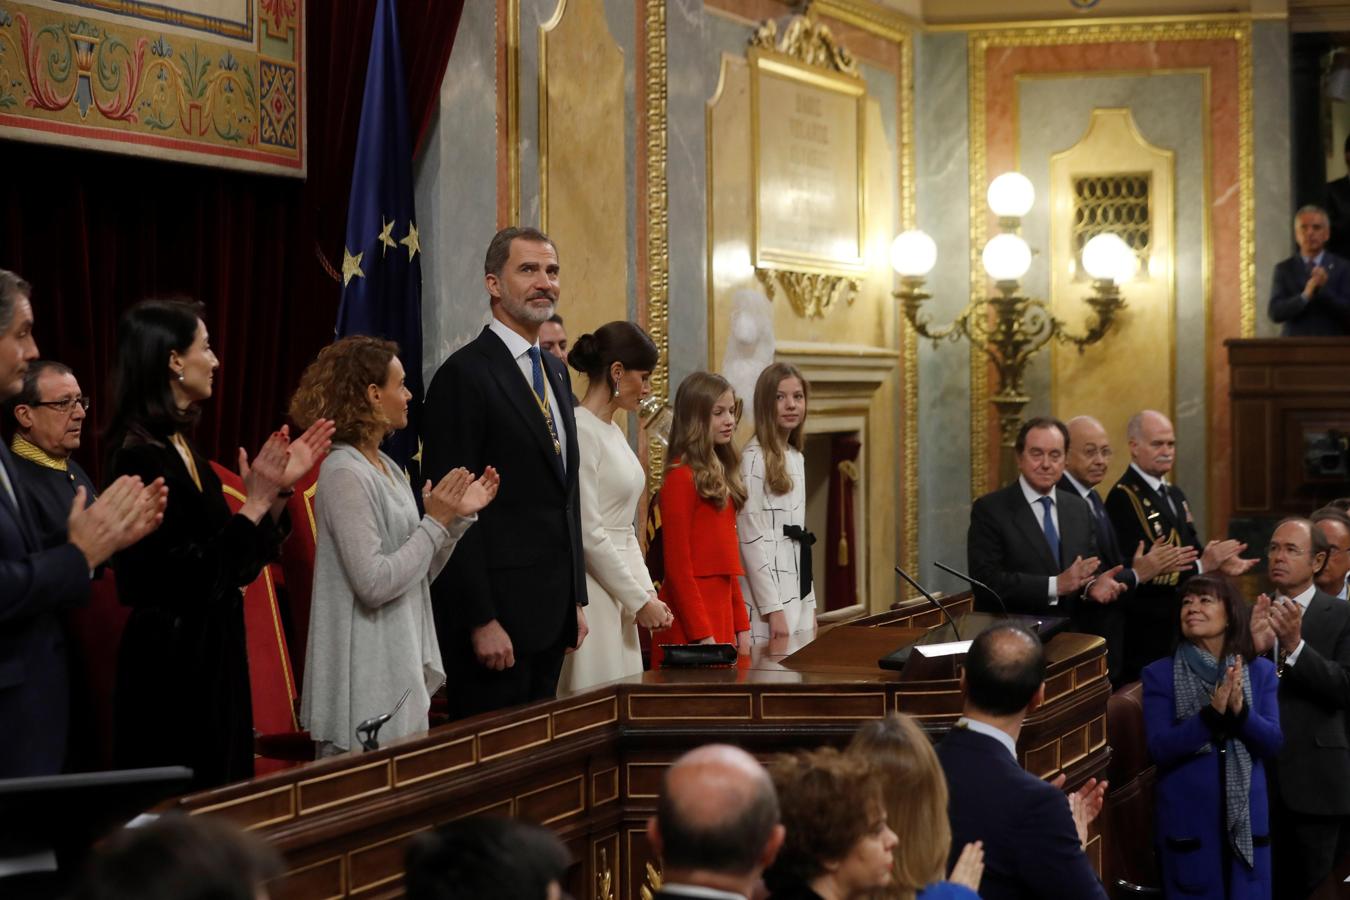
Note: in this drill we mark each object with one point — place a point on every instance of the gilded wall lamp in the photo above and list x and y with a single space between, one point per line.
1009 327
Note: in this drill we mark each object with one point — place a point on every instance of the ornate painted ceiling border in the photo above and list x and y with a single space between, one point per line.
1235 28
170 83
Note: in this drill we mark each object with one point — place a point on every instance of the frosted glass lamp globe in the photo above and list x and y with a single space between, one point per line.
1006 257
913 254
1108 258
1011 195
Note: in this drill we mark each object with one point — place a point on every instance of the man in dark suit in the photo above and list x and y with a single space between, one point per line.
1033 835
1309 632
716 827
1144 506
37 584
47 416
1033 542
1310 291
1338 208
510 601
1085 466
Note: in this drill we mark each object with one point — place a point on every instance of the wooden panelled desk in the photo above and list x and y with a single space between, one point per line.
589 765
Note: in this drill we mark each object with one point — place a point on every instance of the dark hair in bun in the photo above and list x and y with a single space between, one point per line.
617 342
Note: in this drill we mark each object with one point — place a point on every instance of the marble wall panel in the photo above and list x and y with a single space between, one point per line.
942 174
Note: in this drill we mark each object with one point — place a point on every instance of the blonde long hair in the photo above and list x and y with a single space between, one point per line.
915 793
716 467
771 441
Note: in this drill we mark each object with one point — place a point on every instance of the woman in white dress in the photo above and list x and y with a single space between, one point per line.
371 632
618 360
772 523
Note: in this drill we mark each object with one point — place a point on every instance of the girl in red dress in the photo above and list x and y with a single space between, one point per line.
699 499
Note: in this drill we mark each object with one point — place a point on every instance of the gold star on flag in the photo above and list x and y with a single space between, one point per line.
351 266
386 237
411 241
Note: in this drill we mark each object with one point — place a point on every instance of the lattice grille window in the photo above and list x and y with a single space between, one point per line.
1118 204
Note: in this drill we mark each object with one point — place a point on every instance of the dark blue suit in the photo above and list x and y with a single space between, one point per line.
1190 834
35 587
1031 847
1326 313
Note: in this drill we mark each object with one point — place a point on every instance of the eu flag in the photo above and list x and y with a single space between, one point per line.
381 265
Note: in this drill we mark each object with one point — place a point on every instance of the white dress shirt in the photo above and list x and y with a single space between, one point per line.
519 348
1038 509
987 730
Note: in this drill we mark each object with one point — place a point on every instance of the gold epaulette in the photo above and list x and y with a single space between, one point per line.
1141 506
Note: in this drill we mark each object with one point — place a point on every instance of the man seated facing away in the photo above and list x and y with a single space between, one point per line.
47 417
1034 542
1310 291
1033 835
1335 527
486 858
716 826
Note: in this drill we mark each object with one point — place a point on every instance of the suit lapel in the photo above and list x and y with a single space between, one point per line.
562 391
1153 504
16 508
520 395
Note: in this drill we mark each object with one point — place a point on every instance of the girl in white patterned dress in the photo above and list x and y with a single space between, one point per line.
772 523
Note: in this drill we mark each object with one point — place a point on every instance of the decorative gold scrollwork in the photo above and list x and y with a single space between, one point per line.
812 294
810 42
652 884
604 878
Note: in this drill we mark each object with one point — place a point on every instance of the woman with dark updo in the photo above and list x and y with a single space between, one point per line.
618 360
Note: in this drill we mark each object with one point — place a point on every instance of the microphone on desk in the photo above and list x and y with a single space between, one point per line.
979 584
368 732
931 599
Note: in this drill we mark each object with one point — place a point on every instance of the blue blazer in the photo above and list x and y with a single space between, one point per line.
1190 830
35 586
1031 847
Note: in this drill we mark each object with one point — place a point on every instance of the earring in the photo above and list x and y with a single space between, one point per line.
615 394
180 377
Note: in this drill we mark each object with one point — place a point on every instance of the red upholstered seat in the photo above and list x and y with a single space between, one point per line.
95 631
297 562
280 740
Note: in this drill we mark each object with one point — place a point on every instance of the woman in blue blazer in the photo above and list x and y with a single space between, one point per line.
1212 720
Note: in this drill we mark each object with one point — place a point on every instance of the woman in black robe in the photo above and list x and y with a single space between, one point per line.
182 694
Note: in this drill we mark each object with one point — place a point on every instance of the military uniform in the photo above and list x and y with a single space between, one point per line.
1152 610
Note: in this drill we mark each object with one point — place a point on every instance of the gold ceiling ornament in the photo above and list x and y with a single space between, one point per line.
812 294
653 882
807 41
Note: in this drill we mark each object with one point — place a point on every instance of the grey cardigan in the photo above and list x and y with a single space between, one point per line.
371 632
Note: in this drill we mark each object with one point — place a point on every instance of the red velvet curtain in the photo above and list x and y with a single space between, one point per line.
96 232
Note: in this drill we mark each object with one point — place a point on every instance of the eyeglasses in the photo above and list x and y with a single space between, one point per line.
65 405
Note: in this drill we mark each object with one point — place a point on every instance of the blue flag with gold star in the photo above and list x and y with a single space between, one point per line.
381 262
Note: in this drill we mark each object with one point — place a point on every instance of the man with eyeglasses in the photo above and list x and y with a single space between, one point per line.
1335 527
1308 631
1085 467
48 418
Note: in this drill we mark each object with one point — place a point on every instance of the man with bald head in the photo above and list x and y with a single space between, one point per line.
716 827
1145 506
1033 835
1085 466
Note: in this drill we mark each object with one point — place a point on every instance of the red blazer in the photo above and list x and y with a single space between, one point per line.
699 542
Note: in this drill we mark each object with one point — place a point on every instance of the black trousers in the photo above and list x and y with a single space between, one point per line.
1305 849
473 688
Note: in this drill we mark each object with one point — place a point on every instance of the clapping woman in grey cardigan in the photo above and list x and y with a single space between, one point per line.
371 632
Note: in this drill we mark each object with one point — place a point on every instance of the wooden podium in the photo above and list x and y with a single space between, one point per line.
589 765
1291 426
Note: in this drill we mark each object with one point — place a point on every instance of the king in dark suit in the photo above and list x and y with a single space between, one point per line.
1308 631
1310 291
509 603
1145 507
1032 844
1033 542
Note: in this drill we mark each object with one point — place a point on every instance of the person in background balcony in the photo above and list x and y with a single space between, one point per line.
618 360
699 498
182 694
775 545
372 635
1212 720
